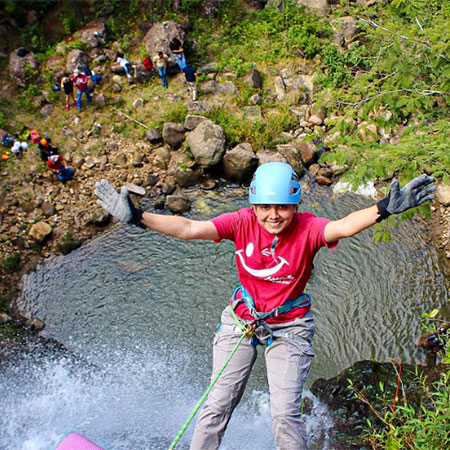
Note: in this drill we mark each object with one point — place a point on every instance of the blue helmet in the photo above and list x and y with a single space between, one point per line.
275 183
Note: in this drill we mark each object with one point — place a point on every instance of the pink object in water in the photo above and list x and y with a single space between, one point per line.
77 441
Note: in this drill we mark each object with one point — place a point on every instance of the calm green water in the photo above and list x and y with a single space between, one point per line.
143 308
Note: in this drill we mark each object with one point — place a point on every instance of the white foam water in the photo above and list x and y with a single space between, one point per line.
125 401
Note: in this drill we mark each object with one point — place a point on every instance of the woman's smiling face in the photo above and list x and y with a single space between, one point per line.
274 218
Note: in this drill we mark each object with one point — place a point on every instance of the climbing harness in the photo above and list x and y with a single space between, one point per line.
247 332
303 301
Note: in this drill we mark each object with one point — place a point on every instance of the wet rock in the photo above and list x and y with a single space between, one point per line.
178 204
349 412
68 245
173 134
207 144
168 188
24 66
35 324
187 176
40 231
240 162
323 181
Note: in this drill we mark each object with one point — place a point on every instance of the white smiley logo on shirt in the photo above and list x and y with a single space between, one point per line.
261 273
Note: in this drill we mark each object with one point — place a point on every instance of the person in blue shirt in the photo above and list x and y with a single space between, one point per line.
190 74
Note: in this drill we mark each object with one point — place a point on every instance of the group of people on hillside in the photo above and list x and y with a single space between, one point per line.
55 162
79 80
161 61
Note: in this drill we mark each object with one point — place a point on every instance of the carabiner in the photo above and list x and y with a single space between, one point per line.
249 330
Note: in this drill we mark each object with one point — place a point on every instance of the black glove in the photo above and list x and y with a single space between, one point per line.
118 205
413 194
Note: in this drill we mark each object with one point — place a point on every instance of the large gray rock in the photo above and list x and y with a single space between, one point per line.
173 134
178 204
153 135
141 74
207 144
75 58
240 162
188 176
192 121
292 156
23 69
93 34
227 88
308 151
159 36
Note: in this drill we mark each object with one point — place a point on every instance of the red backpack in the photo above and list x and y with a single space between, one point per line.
147 62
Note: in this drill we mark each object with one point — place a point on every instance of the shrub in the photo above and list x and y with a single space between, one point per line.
11 263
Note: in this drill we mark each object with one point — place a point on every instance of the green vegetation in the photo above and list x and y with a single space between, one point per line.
397 79
405 423
404 426
11 263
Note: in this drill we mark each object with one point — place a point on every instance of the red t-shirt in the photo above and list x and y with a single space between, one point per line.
81 82
55 165
273 270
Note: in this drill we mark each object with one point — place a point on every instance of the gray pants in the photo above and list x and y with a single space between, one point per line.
288 360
